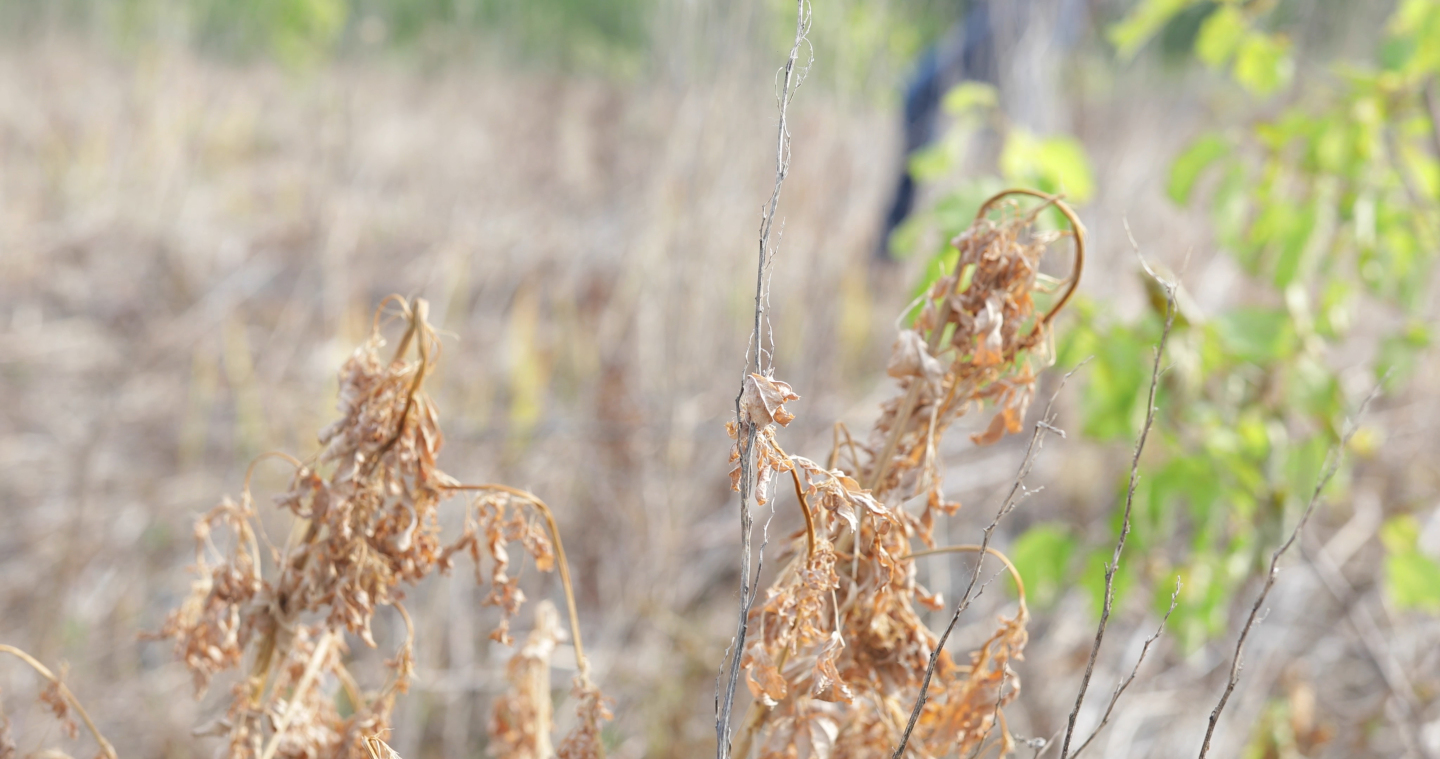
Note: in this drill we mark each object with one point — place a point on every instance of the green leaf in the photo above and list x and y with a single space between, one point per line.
1188 167
1230 206
1304 464
1412 579
1291 244
932 162
1057 164
1112 395
1315 389
1399 353
1220 35
1191 479
970 96
1337 303
1042 555
1256 335
1263 63
1143 22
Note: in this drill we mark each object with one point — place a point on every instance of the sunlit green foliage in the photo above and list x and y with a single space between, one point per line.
1333 205
1412 579
595 35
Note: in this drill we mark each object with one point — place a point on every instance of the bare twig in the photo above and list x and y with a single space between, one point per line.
1237 663
105 748
1372 639
1120 689
793 75
1114 564
1016 494
997 717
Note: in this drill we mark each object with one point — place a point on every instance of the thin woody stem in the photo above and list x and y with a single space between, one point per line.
105 747
805 509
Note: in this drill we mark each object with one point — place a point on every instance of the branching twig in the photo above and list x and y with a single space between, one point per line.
792 77
1114 564
1016 494
1120 689
1236 663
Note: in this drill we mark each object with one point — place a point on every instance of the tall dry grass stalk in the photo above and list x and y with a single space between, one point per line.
841 653
366 520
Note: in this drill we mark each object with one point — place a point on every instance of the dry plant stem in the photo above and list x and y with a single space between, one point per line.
755 713
564 565
1120 689
418 316
1114 564
804 509
997 717
1237 662
1017 492
1014 573
1372 640
793 75
312 669
105 748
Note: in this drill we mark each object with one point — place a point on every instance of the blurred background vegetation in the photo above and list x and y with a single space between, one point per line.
203 199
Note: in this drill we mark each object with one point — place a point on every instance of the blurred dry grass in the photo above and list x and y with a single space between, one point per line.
188 251
191 250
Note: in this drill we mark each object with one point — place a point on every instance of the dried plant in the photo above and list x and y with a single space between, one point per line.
840 651
59 701
520 723
366 509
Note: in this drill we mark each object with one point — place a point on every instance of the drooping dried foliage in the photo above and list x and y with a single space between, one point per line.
366 510
839 649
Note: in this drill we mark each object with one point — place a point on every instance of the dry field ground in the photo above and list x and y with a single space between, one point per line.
189 250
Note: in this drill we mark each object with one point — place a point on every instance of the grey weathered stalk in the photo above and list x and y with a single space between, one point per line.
746 431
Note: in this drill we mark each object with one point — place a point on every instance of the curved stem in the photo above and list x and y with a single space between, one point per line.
259 525
805 509
283 456
1077 229
549 516
105 747
380 309
1014 573
907 406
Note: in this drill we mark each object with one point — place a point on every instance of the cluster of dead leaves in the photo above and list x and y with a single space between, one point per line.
839 649
366 511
